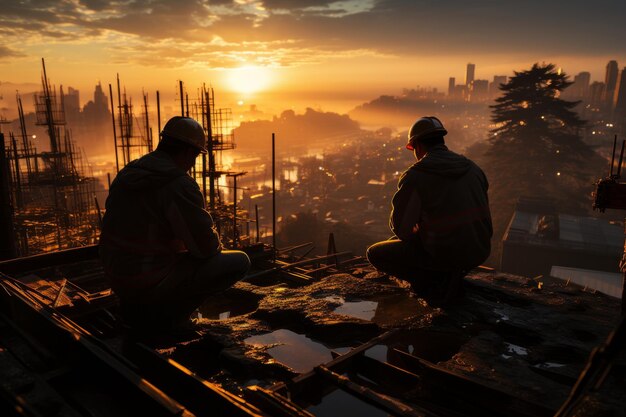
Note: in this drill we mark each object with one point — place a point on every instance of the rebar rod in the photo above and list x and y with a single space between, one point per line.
117 162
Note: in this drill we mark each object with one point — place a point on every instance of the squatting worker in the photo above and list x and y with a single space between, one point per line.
440 218
158 245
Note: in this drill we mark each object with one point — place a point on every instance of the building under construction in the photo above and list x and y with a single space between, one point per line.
133 138
51 199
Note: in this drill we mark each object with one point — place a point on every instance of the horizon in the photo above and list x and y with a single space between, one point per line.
281 55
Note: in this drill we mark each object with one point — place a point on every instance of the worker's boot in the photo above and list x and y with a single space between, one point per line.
441 288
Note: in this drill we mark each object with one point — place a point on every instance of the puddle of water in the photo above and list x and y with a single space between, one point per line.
501 312
518 350
340 403
294 350
364 310
342 350
547 365
227 305
383 310
431 345
378 352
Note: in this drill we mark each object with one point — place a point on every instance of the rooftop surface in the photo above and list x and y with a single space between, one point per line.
522 338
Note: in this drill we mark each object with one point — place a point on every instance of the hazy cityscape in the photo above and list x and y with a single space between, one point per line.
317 208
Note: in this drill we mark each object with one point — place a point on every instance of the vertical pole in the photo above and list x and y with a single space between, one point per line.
210 154
187 103
7 246
99 212
204 123
274 195
148 135
159 115
109 180
119 109
26 150
235 211
18 179
256 214
117 163
182 100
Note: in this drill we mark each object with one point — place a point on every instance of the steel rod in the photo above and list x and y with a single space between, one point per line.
274 195
613 156
117 163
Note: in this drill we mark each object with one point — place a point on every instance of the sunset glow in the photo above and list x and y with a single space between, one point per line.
250 79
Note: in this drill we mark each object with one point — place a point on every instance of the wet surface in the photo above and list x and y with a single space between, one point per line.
230 303
506 332
293 350
340 403
384 310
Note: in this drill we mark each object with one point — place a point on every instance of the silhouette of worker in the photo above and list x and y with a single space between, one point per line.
158 245
440 218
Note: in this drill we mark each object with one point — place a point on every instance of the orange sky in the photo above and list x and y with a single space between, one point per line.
319 53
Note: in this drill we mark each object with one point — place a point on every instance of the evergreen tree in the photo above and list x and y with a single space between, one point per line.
535 148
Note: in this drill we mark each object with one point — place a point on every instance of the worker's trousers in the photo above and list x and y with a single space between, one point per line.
409 261
184 289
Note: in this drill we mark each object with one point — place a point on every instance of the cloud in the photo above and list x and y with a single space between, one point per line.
283 32
6 52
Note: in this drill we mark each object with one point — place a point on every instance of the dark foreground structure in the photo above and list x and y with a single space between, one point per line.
300 337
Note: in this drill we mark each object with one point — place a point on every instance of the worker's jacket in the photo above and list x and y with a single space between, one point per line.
154 216
442 202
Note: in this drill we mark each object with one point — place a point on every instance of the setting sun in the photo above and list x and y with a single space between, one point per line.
248 80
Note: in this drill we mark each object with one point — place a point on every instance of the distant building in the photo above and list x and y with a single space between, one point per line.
469 74
619 112
96 111
539 238
580 88
494 86
451 85
460 92
596 93
610 82
72 101
479 90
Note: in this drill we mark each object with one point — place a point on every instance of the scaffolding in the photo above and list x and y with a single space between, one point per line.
132 136
232 222
53 200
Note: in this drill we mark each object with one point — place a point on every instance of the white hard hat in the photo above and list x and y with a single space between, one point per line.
187 130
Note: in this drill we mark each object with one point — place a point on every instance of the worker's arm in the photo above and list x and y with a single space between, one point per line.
190 221
406 208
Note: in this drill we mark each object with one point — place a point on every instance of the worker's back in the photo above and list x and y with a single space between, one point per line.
455 224
145 226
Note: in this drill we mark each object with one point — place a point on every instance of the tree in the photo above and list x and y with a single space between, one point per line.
535 148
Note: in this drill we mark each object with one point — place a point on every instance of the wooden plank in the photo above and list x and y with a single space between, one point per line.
198 395
47 260
491 400
273 403
384 402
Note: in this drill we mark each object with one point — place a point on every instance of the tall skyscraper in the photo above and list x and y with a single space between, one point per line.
479 91
580 88
451 84
72 101
619 112
494 86
610 81
469 74
596 93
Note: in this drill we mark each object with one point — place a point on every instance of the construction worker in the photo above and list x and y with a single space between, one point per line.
158 245
440 218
